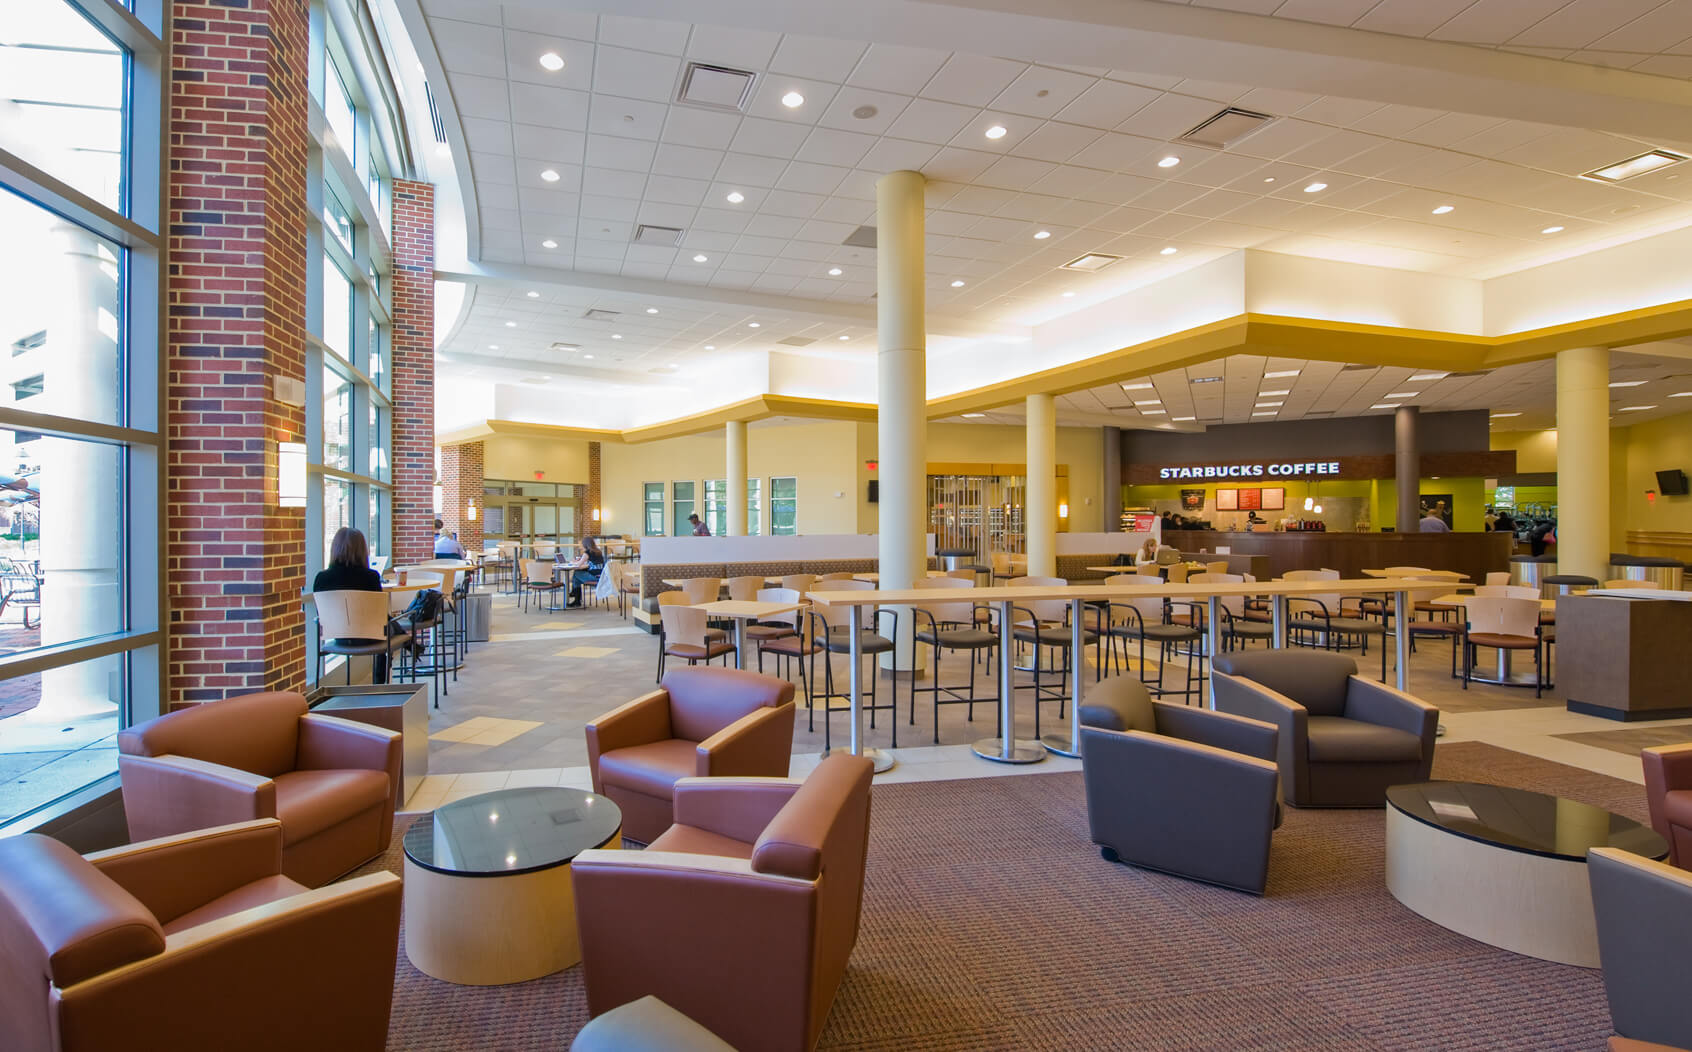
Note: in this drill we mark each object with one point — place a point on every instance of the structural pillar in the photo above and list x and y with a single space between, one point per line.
413 343
1583 462
1040 515
1407 470
1110 488
735 434
462 506
901 392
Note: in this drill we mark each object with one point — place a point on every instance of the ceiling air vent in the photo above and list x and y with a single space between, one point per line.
1477 372
797 341
716 87
662 236
566 346
863 237
601 314
1092 261
1357 368
1226 128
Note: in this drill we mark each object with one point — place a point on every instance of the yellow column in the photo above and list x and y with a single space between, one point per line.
901 390
1583 461
735 435
1040 516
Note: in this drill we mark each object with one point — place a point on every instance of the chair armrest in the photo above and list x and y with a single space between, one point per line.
1243 697
738 808
1219 730
644 720
1641 909
166 795
1386 706
759 743
349 932
173 875
329 743
1667 768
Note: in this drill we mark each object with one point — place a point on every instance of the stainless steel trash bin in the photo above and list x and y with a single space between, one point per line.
478 616
1667 573
1532 570
1558 584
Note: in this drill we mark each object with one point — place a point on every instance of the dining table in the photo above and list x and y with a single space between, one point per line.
741 611
1007 748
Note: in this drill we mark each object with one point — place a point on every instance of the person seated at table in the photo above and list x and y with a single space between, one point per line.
446 544
1147 552
588 566
349 571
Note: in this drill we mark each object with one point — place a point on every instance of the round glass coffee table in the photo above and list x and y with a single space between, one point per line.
1504 866
487 883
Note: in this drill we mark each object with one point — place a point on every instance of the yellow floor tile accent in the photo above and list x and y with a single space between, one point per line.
484 730
556 626
587 652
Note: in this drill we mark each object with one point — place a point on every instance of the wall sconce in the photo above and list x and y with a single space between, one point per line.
597 514
1063 511
291 474
470 510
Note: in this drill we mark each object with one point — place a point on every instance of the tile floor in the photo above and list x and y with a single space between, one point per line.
516 713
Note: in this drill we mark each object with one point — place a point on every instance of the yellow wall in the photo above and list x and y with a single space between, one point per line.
1644 450
518 457
1535 450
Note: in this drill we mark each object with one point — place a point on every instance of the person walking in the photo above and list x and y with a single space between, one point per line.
699 527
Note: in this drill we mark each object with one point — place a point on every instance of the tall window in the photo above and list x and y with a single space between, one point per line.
80 502
682 506
752 507
652 509
716 506
349 413
784 506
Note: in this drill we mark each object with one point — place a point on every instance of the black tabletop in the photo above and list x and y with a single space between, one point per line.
512 831
1522 820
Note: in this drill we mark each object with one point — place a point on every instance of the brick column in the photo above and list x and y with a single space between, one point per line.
236 152
591 501
412 230
461 483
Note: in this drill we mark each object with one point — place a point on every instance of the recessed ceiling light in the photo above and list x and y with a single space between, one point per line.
652 310
755 325
834 272
1269 405
1150 401
1169 162
1315 188
510 325
1552 230
1429 376
553 61
532 294
710 347
1041 235
957 284
1153 412
587 356
1270 179
1068 294
1168 251
1277 375
549 175
845 337
616 336
1681 394
735 197
1645 162
1627 383
793 100
1634 408
1137 387
700 258
1206 380
1384 405
549 243
997 131
493 346
1183 419
1272 394
1444 209
1404 394
1497 416
974 416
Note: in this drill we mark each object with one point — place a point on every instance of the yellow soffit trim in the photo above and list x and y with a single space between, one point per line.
460 435
524 429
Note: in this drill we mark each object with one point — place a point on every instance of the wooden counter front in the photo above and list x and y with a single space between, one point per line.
1474 554
1623 659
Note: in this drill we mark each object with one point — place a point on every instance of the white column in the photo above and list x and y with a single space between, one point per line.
735 435
1040 516
1583 462
901 389
80 513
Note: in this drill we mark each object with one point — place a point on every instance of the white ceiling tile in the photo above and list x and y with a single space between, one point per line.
580 25
669 189
1015 173
735 48
549 106
768 138
819 57
469 47
490 168
635 74
1339 112
1333 12
631 155
926 120
828 233
848 101
689 161
612 183
841 210
1107 104
1117 187
495 194
811 178
548 144
791 203
740 171
522 60
972 80
485 136
484 97
1055 141
1579 24
1170 115
706 129
1494 22
720 220
1333 148
659 213
629 118
1041 92
1215 91
771 88
829 146
501 219
1069 181
889 67
894 155
1115 152
1034 208
646 34
958 165
979 200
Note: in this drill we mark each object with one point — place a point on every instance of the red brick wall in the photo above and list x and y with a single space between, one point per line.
236 153
461 483
412 231
589 526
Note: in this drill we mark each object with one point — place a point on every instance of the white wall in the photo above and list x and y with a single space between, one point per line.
1639 274
754 549
1300 287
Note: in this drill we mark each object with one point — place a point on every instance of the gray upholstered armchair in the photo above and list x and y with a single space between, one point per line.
1644 914
1181 790
1344 739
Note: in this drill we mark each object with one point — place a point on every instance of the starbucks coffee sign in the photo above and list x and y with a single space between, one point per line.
1270 470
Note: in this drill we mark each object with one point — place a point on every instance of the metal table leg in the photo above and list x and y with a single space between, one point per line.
1069 743
1401 634
1215 629
740 642
1006 748
883 761
1278 621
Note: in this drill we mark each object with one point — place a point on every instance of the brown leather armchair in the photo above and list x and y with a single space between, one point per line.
1344 739
333 783
743 914
1668 793
702 721
190 942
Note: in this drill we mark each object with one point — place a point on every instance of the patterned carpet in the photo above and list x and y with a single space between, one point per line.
990 922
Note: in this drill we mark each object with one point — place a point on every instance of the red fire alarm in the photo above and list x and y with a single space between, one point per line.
872 464
1650 496
539 475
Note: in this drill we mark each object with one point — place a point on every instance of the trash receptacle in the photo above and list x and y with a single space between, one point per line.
1558 584
478 616
1656 569
956 558
1532 570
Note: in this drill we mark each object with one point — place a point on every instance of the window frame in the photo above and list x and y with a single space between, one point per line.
678 518
648 505
775 502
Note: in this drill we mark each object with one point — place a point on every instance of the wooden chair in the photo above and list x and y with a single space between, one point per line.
354 623
1504 624
684 637
702 590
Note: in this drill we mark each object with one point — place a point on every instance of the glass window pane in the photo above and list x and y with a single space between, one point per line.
337 420
653 490
337 309
63 82
337 511
716 506
784 507
376 532
377 366
378 442
681 508
337 219
752 525
60 314
338 110
83 742
784 487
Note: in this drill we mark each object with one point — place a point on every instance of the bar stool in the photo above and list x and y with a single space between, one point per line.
1046 625
1504 624
798 644
355 623
837 639
1145 618
951 626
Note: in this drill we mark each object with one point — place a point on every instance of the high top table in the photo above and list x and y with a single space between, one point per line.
1007 748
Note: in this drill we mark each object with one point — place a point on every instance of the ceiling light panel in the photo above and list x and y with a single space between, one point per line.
1653 161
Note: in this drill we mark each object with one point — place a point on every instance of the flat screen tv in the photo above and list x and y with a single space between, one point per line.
1671 483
